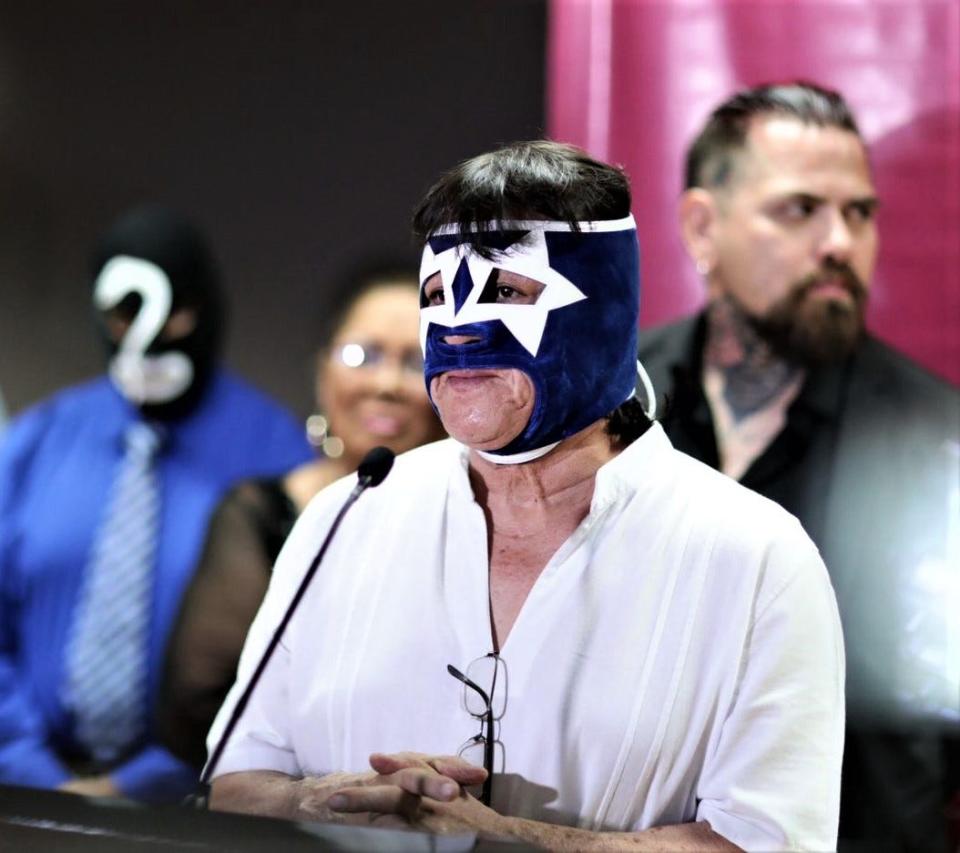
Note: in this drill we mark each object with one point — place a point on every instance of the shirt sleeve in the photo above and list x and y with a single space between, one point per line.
772 780
25 755
154 775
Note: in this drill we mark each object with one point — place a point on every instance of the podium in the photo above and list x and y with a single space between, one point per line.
36 821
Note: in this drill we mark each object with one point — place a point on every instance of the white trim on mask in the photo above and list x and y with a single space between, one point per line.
651 408
517 458
597 226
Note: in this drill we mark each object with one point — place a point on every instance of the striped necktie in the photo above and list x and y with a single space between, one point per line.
106 651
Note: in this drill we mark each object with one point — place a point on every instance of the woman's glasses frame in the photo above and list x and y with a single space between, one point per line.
356 355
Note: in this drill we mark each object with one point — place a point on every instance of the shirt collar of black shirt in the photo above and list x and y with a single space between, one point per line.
688 421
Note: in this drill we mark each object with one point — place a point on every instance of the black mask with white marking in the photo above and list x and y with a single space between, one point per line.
153 271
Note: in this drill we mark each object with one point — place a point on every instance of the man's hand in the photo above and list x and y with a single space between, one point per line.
392 794
407 790
420 791
273 794
91 786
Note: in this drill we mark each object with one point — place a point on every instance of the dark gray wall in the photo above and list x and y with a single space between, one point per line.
297 134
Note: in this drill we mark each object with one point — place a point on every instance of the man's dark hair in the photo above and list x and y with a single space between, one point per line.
710 157
539 180
525 180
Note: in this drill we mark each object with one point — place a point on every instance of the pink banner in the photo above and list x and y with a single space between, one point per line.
632 81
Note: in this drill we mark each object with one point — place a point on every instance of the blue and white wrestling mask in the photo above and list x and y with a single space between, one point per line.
577 343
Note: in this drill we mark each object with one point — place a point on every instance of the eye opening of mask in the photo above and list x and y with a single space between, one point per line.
510 288
502 286
117 319
428 283
126 309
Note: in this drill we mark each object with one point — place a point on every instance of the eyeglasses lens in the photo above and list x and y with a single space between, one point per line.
473 751
371 355
490 674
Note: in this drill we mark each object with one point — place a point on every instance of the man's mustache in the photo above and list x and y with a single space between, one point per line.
834 271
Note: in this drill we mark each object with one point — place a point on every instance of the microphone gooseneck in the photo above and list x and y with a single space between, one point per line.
372 472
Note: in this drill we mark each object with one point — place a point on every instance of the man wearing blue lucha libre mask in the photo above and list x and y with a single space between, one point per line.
556 301
650 651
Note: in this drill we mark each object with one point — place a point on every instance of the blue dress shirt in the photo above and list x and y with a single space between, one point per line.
57 464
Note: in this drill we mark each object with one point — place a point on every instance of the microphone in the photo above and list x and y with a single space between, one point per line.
374 468
372 472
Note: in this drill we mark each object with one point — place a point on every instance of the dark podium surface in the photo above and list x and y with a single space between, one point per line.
35 820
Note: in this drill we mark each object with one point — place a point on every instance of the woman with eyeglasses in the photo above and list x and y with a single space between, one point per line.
370 392
553 627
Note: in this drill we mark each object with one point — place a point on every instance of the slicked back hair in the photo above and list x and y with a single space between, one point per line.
710 157
524 181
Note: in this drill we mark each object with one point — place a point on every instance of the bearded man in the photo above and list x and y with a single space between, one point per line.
777 384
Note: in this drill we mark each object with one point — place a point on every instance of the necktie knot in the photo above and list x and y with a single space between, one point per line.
143 440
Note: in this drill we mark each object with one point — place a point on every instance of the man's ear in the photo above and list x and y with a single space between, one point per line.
698 216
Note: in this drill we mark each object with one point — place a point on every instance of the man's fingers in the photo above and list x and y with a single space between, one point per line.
452 766
426 782
398 760
414 773
459 769
380 799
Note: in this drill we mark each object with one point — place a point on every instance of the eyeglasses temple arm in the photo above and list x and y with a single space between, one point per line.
471 684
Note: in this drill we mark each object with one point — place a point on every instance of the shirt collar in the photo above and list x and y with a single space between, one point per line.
628 470
614 479
822 391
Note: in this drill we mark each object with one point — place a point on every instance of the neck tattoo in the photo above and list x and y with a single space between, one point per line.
754 376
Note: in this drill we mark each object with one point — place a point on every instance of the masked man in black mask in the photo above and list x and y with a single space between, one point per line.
105 493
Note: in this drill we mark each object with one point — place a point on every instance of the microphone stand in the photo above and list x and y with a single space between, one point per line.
373 469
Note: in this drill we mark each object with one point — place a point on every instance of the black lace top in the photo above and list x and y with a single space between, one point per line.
245 536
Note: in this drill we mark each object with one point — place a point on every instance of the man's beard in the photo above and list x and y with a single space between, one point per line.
810 330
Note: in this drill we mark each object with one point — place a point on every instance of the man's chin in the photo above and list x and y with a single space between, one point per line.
830 350
825 345
826 333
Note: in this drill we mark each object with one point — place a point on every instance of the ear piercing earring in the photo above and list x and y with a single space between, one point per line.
702 266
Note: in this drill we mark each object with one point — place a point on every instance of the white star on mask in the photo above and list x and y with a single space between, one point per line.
526 323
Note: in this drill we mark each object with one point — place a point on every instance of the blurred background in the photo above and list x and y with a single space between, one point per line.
299 135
